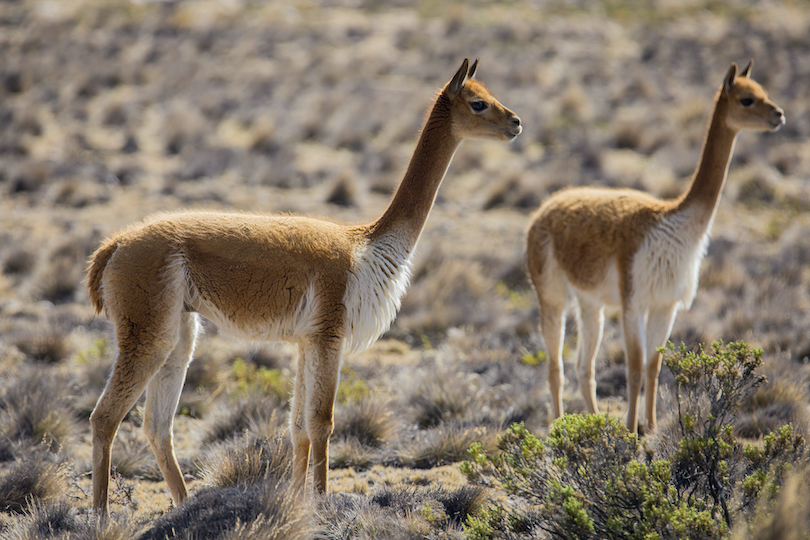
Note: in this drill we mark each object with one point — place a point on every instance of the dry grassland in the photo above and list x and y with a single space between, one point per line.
110 111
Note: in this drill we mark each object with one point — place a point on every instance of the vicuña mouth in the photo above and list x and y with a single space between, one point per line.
514 132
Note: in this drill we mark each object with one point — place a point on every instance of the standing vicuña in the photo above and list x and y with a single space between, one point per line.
622 247
324 286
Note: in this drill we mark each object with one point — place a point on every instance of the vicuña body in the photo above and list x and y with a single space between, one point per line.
327 287
625 248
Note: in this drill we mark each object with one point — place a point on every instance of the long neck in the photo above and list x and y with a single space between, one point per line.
409 208
710 176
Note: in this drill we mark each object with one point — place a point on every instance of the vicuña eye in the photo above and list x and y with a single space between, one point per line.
479 106
746 102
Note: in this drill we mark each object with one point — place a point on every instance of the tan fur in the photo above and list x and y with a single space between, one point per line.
626 248
321 285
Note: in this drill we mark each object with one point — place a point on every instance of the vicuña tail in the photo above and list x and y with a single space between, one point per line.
95 271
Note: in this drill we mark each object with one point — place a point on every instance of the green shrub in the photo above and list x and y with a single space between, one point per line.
589 479
250 378
769 465
711 388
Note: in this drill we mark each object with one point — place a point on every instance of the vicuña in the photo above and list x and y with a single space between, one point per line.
329 288
626 248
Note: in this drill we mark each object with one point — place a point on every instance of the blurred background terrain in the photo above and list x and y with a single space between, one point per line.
110 111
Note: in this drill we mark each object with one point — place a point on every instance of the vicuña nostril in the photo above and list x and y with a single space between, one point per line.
516 120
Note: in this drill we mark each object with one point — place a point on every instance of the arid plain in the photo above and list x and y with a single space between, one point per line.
111 111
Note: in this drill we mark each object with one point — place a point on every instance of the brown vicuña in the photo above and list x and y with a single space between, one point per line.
626 248
329 288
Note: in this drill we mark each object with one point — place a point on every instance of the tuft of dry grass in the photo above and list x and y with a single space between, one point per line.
434 398
782 399
35 407
399 512
48 343
59 280
19 261
370 421
59 519
260 413
249 460
36 477
344 192
132 457
443 444
445 293
346 453
513 192
268 509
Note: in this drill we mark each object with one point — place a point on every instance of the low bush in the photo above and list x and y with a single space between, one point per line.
591 478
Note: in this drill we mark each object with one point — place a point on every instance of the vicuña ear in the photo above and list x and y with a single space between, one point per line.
471 73
747 71
454 87
728 82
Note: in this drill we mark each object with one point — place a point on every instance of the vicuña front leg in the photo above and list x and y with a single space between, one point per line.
659 326
322 376
633 327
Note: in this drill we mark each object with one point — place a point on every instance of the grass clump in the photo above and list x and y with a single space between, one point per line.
44 343
370 421
60 519
268 510
399 512
38 477
35 408
258 413
249 460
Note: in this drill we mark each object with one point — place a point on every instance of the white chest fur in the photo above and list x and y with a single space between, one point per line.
377 283
666 267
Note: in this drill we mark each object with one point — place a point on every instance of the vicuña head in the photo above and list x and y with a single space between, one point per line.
626 248
749 106
324 286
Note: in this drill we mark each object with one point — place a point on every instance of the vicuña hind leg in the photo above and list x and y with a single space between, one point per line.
132 371
590 322
551 287
162 396
552 325
659 326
